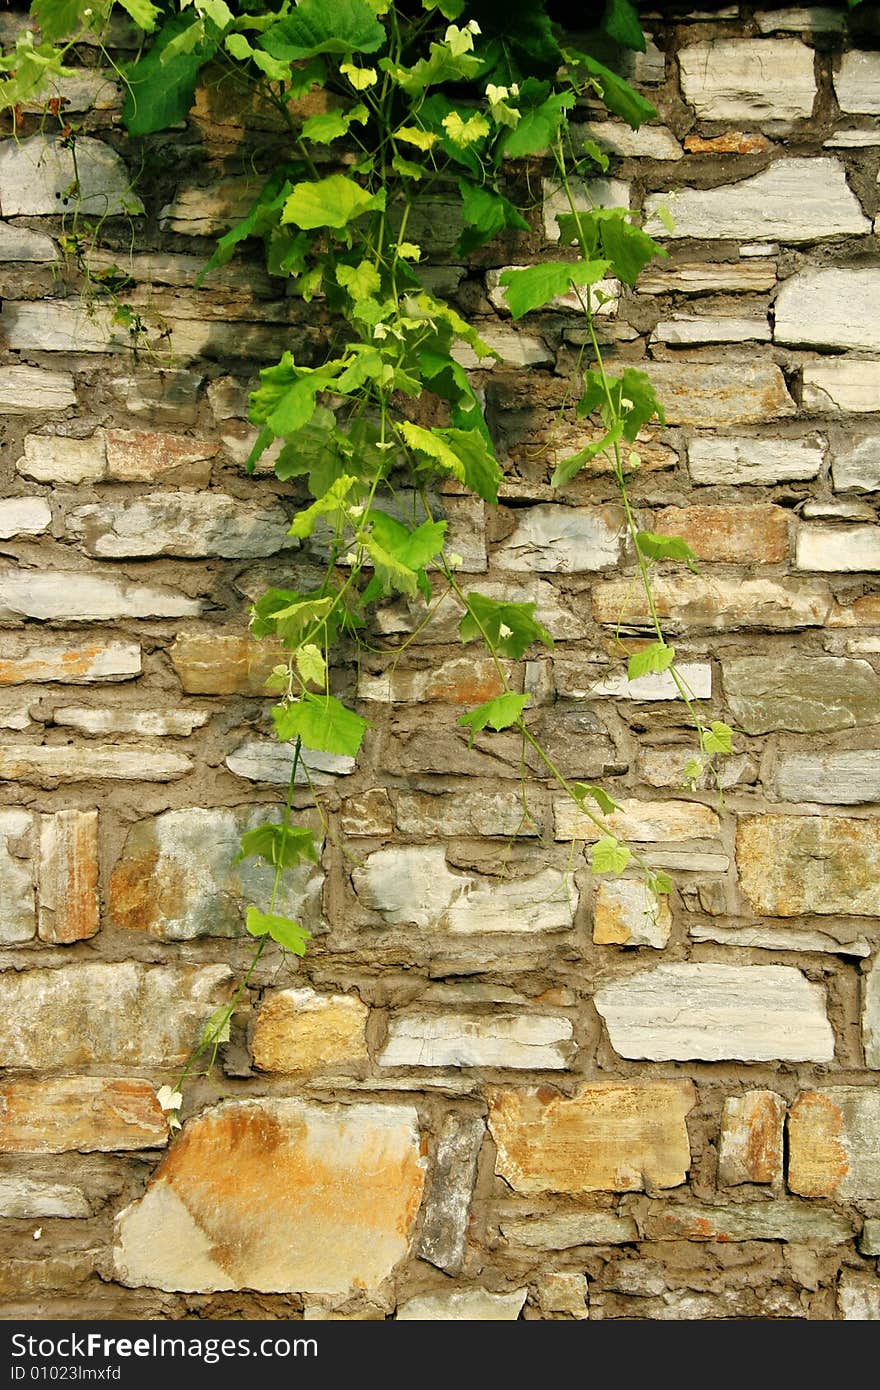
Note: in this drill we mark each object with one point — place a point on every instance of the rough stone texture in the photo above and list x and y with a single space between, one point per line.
757 461
795 200
829 778
856 83
281 1196
848 386
593 193
77 596
563 1293
858 1296
614 137
791 865
464 1305
836 940
20 244
656 685
461 680
176 879
102 1014
562 540
750 1142
719 394
749 80
668 821
735 535
24 516
871 1016
26 389
443 1237
298 1030
170 723
691 330
714 1012
627 913
567 1229
524 1041
716 604
69 909
25 762
782 1219
88 1113
857 467
838 550
869 1241
830 309
23 661
176 523
36 176
613 1136
832 1143
216 663
25 1198
826 692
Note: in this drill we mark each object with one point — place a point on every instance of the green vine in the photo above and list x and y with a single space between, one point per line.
443 95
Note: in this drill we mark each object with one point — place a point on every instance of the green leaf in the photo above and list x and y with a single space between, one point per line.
441 65
618 96
407 168
718 738
621 23
659 882
289 934
325 127
64 19
540 284
331 202
216 1030
628 248
581 790
322 723
638 402
325 26
657 656
449 380
282 846
510 627
570 467
399 554
331 504
537 128
498 713
666 548
311 664
361 280
609 856
288 614
160 91
263 214
142 12
463 453
693 771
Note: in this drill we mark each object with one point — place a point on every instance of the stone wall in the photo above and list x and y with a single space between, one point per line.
494 1088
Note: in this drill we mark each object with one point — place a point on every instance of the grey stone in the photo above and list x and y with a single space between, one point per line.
708 603
180 523
717 1012
838 549
562 540
447 1209
21 244
617 138
152 723
503 1040
24 660
29 762
565 1229
852 140
871 1015
749 80
462 812
857 82
846 778
755 461
869 1242
17 872
95 1014
796 200
686 330
850 386
709 277
177 879
78 596
26 389
832 1143
857 466
832 942
830 308
264 760
858 1296
38 174
592 193
24 1198
779 1219
464 1305
53 458
721 394
810 19
804 695
24 516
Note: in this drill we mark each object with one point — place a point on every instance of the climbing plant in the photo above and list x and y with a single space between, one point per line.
473 98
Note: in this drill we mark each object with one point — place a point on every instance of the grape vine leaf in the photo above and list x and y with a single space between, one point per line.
538 285
609 856
324 26
497 713
657 656
323 724
282 846
289 934
510 627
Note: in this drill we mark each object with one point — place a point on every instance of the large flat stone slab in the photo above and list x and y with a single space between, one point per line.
792 865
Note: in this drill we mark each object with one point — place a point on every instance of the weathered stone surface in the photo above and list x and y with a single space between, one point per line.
207 211
176 878
848 385
592 193
82 89
791 865
584 683
461 680
795 200
836 940
98 1014
21 1198
21 244
756 461
857 82
24 516
464 1305
371 814
734 535
53 458
615 137
24 389
77 596
847 778
223 663
515 348
69 909
830 308
668 821
153 723
703 602
664 767
691 330
838 549
535 1042
37 175
715 1012
562 1293
869 1241
65 663
749 80
852 140
614 1136
280 1196
445 814
806 696
88 1113
30 762
627 913
562 540
18 920
298 1030
731 142
59 326
718 394
858 1295
179 523
750 1142
811 19
832 1143
447 1210
62 1273
565 1229
780 1219
412 884
748 277
871 1016
265 760
144 456
857 466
